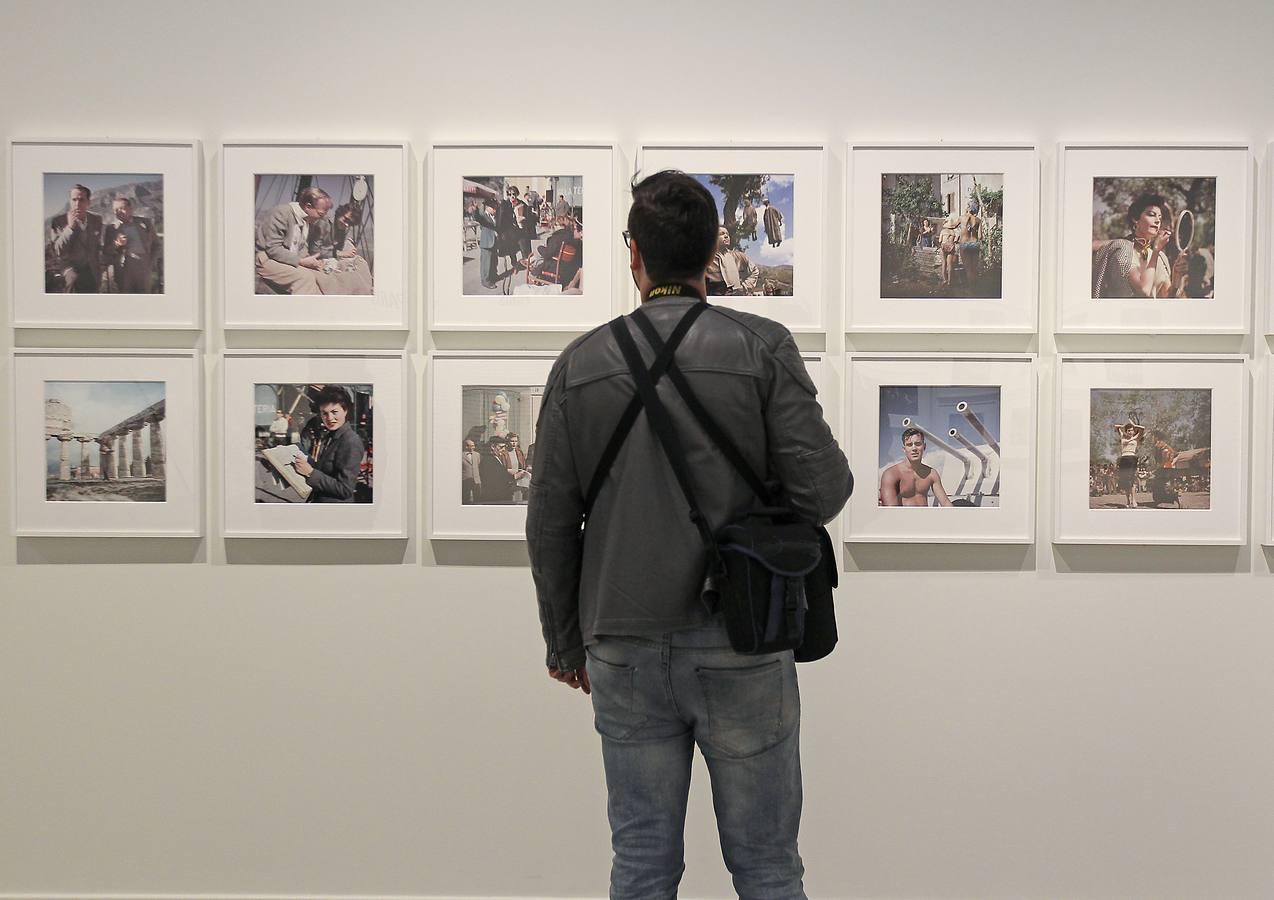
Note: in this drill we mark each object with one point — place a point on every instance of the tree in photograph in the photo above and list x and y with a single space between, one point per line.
736 189
1113 196
909 200
1180 416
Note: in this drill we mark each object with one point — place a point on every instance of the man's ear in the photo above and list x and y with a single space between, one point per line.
634 257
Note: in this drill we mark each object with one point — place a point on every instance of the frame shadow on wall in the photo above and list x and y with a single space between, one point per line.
1150 559
247 551
934 557
92 550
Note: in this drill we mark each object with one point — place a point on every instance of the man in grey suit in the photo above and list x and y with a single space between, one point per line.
131 247
75 238
283 258
488 238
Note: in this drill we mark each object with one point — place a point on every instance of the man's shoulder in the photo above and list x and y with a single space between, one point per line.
768 331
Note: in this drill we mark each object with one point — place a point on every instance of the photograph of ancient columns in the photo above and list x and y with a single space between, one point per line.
104 441
939 446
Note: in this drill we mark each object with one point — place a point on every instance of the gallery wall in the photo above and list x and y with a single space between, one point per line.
367 718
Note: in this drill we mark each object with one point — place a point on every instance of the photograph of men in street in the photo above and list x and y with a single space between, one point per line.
315 234
942 235
755 239
499 427
1154 238
313 443
103 233
948 438
623 608
1150 448
522 234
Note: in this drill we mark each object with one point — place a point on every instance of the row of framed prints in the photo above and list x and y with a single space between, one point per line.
1148 449
940 238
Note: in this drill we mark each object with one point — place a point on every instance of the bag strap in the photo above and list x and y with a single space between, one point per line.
724 443
657 413
663 358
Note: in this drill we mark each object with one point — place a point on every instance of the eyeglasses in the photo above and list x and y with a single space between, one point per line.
627 236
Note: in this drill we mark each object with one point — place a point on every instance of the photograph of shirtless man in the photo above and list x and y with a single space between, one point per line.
908 483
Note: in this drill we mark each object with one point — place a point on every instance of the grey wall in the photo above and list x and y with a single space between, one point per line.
187 718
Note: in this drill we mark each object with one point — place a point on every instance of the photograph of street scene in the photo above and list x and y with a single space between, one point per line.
103 234
522 234
939 446
312 443
1150 448
756 241
315 234
497 452
119 427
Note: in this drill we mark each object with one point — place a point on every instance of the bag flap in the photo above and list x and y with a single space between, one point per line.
789 549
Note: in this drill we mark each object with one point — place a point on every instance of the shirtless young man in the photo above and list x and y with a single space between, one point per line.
1130 437
908 483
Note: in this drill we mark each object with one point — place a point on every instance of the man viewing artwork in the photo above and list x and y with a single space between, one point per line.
623 607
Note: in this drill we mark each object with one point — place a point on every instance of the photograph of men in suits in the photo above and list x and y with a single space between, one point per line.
75 241
103 233
513 229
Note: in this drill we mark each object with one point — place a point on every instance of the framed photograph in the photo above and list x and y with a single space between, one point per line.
770 201
952 434
105 235
107 443
314 236
315 444
1155 239
1138 443
484 409
519 211
943 238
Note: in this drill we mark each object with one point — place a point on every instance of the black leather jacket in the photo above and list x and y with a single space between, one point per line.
639 568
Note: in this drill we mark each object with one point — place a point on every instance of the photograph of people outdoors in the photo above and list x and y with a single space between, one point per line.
939 446
312 443
1154 238
315 234
497 452
119 428
103 234
522 234
942 235
1150 448
756 242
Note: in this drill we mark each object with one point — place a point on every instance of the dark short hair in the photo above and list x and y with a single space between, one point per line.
513 189
120 198
1144 201
334 393
673 221
310 196
908 432
88 195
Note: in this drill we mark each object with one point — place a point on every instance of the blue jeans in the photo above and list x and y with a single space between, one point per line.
654 698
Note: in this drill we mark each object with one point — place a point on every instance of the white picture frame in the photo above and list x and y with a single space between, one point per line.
449 373
170 414
386 516
1016 310
245 303
543 307
1228 311
1223 522
1007 458
803 310
32 163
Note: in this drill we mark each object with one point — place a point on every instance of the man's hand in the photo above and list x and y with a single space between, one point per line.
311 262
347 254
121 241
576 678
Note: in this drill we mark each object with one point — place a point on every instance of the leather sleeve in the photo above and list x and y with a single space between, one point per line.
803 454
554 515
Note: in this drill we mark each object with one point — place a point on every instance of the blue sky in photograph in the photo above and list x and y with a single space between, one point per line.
98 405
780 189
57 186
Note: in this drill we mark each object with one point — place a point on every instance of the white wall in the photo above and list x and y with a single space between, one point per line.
1002 723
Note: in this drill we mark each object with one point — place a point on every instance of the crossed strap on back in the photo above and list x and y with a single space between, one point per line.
648 397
